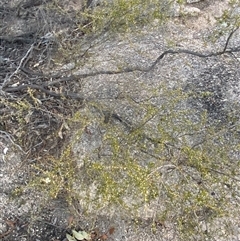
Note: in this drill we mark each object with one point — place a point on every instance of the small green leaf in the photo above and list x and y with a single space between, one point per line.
70 238
81 235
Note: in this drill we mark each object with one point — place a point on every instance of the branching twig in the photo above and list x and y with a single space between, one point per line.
167 166
41 88
228 39
11 139
7 80
108 72
225 174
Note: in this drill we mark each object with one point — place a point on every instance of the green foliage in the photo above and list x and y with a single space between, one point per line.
228 21
124 15
172 155
17 114
57 175
81 235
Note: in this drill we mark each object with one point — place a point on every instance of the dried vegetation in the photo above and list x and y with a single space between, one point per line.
168 160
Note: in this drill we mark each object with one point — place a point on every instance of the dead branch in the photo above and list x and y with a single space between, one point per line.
74 77
7 80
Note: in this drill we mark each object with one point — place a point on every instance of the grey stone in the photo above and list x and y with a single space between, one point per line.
193 1
181 10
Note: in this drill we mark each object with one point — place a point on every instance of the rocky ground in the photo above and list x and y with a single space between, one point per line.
27 214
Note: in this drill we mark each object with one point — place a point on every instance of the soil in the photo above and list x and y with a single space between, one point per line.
32 36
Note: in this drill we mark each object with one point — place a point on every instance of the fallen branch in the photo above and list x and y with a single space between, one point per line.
104 72
24 58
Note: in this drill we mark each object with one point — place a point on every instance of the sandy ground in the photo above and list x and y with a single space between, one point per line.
26 214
